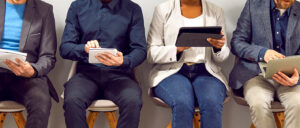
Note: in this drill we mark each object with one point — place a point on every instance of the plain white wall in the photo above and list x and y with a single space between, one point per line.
152 116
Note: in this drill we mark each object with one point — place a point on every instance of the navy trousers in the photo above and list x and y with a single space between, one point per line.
91 84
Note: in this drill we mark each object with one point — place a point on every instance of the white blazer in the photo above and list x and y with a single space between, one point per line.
166 22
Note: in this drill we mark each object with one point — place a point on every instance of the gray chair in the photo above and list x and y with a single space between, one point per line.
15 109
197 116
106 106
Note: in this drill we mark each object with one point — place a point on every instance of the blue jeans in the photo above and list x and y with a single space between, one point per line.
188 88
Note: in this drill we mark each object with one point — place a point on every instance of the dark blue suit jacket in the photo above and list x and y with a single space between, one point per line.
253 33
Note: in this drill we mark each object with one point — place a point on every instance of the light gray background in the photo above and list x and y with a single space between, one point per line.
152 116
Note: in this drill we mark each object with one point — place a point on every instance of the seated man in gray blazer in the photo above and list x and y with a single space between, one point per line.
28 26
266 30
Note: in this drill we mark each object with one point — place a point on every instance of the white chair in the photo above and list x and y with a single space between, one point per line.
15 109
197 116
106 106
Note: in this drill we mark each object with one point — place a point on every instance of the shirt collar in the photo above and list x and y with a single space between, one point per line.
273 7
111 5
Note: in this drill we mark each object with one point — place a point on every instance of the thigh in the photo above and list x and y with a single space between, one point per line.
81 88
30 91
175 88
289 96
121 89
209 89
258 90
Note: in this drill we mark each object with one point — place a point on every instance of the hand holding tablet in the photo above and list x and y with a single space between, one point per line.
93 52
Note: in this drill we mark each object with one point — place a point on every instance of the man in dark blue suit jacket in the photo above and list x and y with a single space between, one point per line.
108 24
266 30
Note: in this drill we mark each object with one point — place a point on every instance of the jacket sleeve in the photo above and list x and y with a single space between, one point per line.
223 54
158 52
48 44
241 45
137 40
71 47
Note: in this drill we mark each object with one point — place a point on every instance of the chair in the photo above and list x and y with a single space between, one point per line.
276 107
197 116
15 109
106 106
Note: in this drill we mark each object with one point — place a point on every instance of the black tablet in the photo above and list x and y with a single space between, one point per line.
197 36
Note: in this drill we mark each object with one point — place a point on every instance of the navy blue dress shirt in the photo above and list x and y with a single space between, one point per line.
279 28
118 24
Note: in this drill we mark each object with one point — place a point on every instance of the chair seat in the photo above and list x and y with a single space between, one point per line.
103 105
11 106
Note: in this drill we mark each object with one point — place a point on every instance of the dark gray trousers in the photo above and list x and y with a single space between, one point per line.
33 93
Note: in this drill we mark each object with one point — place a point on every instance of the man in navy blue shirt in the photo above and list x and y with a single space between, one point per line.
107 24
267 30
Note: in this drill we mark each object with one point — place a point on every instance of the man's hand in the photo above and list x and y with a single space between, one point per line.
180 49
91 44
271 55
20 69
109 59
217 43
285 80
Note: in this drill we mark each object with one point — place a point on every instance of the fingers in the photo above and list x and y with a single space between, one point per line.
119 54
280 80
91 44
13 67
295 73
217 43
286 78
20 62
106 59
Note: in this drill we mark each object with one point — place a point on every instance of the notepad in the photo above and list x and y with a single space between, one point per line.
94 51
285 65
10 55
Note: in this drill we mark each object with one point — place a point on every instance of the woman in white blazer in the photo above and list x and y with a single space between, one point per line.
186 77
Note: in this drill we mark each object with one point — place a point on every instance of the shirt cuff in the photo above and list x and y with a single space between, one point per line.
125 62
261 55
298 84
35 75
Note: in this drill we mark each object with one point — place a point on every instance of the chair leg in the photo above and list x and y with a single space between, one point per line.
252 126
170 124
196 120
92 119
279 119
2 118
112 119
19 118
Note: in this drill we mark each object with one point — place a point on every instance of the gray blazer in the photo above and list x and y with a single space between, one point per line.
253 33
38 38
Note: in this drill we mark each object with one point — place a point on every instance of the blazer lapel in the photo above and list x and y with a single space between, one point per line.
2 14
266 19
293 19
27 20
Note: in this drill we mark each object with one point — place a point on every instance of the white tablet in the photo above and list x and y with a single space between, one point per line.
94 51
285 65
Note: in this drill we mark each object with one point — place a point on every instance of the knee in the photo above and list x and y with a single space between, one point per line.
74 102
183 104
293 104
41 106
131 102
210 103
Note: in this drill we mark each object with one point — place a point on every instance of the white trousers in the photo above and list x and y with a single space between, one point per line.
259 93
